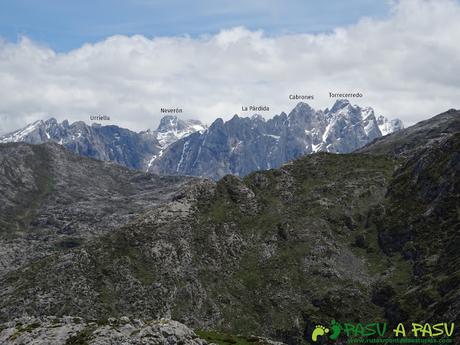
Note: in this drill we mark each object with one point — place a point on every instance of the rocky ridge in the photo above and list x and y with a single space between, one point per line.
243 145
108 143
52 198
171 129
238 146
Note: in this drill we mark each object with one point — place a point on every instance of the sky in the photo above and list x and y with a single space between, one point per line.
128 59
65 25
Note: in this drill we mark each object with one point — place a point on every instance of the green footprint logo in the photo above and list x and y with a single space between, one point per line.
318 331
336 329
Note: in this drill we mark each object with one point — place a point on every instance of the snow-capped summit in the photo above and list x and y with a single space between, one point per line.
109 143
349 127
238 146
389 126
244 144
339 105
171 129
33 133
302 107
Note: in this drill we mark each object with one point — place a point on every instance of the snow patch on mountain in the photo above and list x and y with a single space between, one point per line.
387 126
109 143
240 146
170 130
23 134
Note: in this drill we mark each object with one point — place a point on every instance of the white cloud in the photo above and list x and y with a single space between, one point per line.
407 66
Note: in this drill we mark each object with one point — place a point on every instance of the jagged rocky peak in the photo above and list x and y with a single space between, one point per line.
244 144
168 123
343 108
219 122
235 118
51 121
302 107
257 117
301 111
349 127
237 146
34 133
41 131
389 126
173 123
172 128
340 104
109 143
304 117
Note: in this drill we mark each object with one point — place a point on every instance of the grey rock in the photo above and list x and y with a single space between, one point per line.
268 254
107 143
238 146
243 145
50 330
52 198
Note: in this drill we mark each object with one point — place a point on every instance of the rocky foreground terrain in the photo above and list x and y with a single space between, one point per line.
367 236
121 331
74 330
52 200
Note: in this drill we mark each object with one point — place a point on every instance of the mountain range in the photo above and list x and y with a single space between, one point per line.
243 145
238 146
365 236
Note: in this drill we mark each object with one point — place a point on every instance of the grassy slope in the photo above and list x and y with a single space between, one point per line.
275 252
